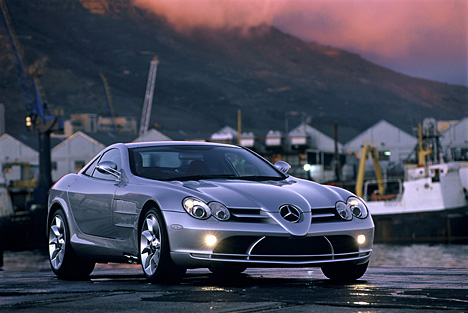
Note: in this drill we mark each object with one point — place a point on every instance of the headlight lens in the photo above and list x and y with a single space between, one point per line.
219 211
358 207
199 209
196 208
344 211
353 207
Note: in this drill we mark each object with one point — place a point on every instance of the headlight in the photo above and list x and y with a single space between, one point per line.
196 208
219 211
357 207
344 211
353 207
199 209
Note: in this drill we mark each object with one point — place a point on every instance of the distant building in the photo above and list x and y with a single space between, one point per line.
92 123
73 153
17 160
152 135
248 140
454 141
273 139
227 134
85 122
306 135
121 124
393 145
313 151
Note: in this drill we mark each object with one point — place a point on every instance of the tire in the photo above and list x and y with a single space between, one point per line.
154 254
344 272
227 269
64 262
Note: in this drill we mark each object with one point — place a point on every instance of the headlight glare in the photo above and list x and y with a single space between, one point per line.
219 211
344 211
196 208
210 240
361 239
358 207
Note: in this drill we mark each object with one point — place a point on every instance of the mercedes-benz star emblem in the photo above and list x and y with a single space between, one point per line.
290 213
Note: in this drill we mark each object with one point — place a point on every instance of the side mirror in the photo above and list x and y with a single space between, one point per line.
283 166
108 167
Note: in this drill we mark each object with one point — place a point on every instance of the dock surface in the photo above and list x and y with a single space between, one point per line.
381 289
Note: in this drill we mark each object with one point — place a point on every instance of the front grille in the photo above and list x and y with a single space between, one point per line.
325 215
288 250
254 215
248 215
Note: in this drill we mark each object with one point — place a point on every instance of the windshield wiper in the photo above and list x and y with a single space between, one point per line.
199 177
261 178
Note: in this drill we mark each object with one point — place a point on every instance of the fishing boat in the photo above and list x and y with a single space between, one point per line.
428 206
22 221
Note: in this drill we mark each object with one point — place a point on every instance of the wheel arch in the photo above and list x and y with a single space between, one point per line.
150 204
55 206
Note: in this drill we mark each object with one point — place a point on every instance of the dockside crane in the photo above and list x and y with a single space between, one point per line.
148 103
110 105
38 118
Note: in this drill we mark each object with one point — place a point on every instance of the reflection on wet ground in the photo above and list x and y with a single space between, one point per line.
420 255
416 255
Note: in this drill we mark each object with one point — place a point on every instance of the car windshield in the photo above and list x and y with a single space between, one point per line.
194 162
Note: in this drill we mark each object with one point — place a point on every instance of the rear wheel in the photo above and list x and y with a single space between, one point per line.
63 260
344 272
154 250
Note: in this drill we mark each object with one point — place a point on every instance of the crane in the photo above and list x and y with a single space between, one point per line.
148 103
108 99
368 149
38 118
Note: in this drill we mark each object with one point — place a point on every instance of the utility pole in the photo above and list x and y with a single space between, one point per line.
337 153
239 126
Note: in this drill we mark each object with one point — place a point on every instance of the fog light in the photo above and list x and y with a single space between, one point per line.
210 240
361 239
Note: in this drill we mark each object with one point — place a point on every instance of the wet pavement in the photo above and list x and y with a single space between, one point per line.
123 288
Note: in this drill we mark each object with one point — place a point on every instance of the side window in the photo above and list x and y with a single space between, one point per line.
111 155
90 169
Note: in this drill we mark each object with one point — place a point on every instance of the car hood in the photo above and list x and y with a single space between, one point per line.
267 196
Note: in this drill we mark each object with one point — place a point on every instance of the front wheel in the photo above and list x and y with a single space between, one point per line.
63 259
155 258
344 272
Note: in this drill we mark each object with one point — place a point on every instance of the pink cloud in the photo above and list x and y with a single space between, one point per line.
382 30
186 14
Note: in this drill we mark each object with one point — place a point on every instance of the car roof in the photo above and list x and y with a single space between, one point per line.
175 143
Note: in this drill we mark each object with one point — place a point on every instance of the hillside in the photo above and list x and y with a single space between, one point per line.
204 77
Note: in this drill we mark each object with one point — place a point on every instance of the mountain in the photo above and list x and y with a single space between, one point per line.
205 76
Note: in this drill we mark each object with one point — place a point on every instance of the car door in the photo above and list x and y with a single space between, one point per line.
91 198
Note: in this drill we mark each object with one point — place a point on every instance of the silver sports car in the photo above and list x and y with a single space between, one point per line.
173 206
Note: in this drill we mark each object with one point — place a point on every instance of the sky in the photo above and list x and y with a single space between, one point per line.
420 38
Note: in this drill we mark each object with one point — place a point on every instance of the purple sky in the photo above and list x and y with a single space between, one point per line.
421 38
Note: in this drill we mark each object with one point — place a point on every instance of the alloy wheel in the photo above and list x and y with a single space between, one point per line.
57 242
150 244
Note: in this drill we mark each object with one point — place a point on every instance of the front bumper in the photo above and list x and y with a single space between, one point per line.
266 244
